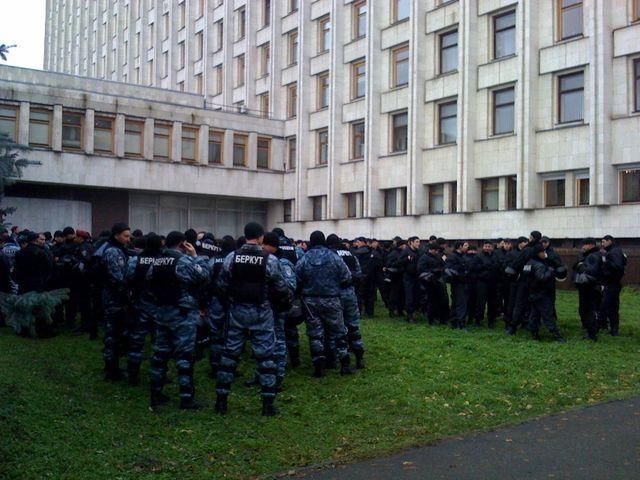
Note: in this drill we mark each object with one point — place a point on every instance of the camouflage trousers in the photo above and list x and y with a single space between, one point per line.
351 314
325 322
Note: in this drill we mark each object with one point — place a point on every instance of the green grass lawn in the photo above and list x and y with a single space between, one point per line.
59 419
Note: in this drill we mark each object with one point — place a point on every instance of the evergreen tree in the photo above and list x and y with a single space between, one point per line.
11 164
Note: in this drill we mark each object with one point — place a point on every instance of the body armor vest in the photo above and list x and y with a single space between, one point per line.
348 258
165 284
288 252
248 277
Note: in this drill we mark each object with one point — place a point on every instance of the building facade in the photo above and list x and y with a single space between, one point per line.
467 118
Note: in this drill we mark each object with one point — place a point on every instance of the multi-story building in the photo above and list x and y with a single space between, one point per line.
467 118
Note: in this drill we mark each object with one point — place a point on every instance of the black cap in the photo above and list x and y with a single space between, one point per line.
332 240
68 231
57 233
253 230
608 238
317 238
522 240
536 235
118 228
31 236
278 231
191 236
174 239
272 239
589 241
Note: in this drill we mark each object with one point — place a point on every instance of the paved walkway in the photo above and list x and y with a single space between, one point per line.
600 442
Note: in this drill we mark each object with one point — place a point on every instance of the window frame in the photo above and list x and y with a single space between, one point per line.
287 211
395 10
241 23
560 11
568 91
351 204
580 181
265 105
485 189
496 107
355 135
355 78
447 117
111 130
324 32
168 136
262 148
356 17
633 171
512 193
432 195
218 78
182 55
635 70
199 41
214 135
442 49
266 13
292 6
317 202
237 145
291 165
130 122
496 31
322 89
395 64
80 125
292 47
265 59
563 201
15 119
395 128
292 100
322 145
635 11
240 70
189 129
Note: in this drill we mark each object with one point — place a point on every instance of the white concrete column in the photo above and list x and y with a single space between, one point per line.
118 136
23 124
227 149
147 148
89 126
56 129
203 145
176 142
252 154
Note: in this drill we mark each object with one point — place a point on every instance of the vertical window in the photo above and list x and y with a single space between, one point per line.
287 210
390 203
322 140
199 84
137 44
199 46
72 130
636 83
400 66
181 15
636 10
357 140
293 47
489 192
324 34
240 150
265 59
400 10
570 18
570 101
323 90
630 182
189 144
359 18
103 134
583 191
453 207
293 5
352 201
449 51
291 153
448 122
161 140
216 140
199 8
264 105
181 55
292 100
39 128
264 152
151 72
8 121
503 113
436 198
165 26
133 137
317 207
358 79
504 34
242 20
554 193
181 86
399 131
240 70
512 193
266 13
219 35
165 64
217 78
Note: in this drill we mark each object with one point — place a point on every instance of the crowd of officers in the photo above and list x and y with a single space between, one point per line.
193 292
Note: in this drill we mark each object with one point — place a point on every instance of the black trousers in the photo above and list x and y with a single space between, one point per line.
437 303
367 297
520 301
459 305
588 304
486 297
411 293
610 307
396 293
542 307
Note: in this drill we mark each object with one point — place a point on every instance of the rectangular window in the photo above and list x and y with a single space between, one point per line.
449 51
292 51
400 10
103 134
390 203
216 140
72 130
291 153
504 34
292 100
569 18
322 153
636 83
287 208
324 34
217 79
165 26
240 150
264 105
554 193
240 70
181 55
162 140
182 15
189 144
39 128
219 35
317 207
200 8
241 16
359 18
199 84
133 130
8 121
570 97
583 191
199 46
453 207
293 6
630 182
399 131
636 10
448 122
165 64
357 140
266 13
503 111
323 90
400 66
265 59
352 201
436 198
489 192
264 152
358 79
512 193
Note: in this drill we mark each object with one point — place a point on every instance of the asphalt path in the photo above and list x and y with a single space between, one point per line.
601 442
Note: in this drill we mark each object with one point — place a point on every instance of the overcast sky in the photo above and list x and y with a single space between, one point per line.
22 24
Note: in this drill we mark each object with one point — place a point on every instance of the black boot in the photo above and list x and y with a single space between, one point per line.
359 359
221 404
294 356
345 369
317 368
157 398
268 410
